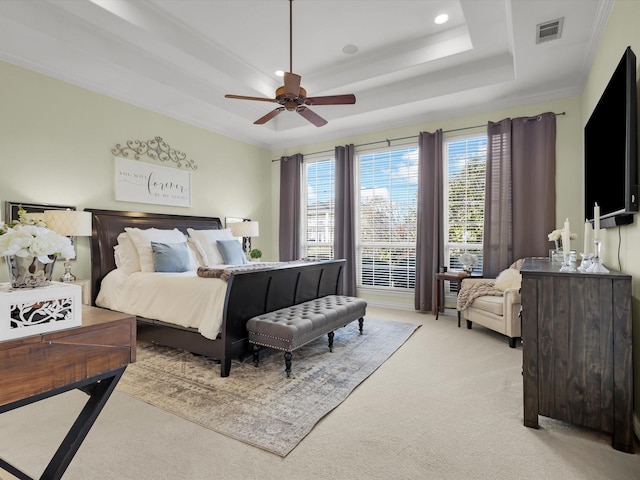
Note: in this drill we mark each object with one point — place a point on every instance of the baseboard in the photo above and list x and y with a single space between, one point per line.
377 303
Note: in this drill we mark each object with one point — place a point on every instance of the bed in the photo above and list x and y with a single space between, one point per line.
247 293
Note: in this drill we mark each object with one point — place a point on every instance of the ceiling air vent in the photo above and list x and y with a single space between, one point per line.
549 30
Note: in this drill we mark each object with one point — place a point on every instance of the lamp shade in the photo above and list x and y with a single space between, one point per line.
245 229
70 223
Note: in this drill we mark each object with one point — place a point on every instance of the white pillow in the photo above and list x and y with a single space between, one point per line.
509 278
195 253
126 255
206 243
142 240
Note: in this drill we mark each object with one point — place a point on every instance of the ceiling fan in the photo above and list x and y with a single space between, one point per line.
292 97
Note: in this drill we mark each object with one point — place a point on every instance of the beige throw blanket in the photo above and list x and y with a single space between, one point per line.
470 291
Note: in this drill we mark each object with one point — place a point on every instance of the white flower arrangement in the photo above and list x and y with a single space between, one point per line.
28 238
556 235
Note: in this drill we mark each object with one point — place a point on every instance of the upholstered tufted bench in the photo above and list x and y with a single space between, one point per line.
292 327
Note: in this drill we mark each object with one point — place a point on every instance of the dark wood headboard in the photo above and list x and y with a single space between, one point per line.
108 224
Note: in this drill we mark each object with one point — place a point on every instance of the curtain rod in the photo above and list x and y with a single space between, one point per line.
389 140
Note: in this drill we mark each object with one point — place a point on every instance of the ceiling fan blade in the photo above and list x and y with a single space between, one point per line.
292 84
269 116
259 99
313 117
331 100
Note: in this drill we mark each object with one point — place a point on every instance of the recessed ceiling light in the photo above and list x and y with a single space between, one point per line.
442 18
279 73
349 49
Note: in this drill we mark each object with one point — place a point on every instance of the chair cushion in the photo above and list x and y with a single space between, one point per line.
490 304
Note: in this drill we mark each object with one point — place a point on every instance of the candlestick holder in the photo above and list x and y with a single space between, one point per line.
585 263
567 266
596 264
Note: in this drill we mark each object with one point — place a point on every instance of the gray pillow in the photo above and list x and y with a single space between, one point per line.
170 257
232 253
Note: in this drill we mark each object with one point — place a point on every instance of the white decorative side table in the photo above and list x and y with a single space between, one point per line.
31 311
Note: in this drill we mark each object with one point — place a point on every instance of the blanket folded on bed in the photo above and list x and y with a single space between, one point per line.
471 291
225 272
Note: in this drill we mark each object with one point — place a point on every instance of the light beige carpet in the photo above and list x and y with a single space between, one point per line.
261 406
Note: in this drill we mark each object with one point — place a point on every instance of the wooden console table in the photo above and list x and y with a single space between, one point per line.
577 349
91 357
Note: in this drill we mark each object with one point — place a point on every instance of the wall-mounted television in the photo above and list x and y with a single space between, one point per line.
611 149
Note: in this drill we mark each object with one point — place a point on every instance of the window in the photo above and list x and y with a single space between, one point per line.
387 210
465 166
319 181
388 218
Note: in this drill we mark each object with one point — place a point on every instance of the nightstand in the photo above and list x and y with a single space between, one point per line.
86 290
440 278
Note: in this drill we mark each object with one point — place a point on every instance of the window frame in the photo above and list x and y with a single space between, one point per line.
304 239
360 246
449 246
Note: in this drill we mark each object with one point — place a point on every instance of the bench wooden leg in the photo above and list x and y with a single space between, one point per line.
256 355
287 363
360 324
330 335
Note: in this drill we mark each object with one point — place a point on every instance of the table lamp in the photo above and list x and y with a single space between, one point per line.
246 230
70 223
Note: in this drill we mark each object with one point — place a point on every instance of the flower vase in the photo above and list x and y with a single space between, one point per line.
556 255
29 272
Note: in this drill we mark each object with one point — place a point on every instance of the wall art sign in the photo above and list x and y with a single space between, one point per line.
142 182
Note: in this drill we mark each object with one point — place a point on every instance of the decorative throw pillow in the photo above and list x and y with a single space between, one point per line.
126 255
205 241
509 278
170 257
142 240
232 253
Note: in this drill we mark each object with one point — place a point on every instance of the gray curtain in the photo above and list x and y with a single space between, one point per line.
344 237
520 199
430 224
290 198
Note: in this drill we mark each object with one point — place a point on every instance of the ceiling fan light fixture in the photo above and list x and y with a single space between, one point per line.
292 97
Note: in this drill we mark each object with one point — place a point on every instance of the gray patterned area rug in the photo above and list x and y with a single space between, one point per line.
261 406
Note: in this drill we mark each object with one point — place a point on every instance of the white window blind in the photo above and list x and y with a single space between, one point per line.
466 159
388 206
319 208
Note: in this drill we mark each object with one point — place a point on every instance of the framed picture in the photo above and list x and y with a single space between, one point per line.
11 209
143 182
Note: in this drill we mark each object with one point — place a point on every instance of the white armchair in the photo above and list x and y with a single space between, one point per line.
493 303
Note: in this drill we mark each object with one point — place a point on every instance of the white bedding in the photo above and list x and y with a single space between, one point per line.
180 298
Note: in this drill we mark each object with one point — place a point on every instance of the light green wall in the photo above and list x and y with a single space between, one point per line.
55 148
568 162
622 31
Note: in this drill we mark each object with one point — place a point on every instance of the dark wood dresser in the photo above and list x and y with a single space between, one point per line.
577 349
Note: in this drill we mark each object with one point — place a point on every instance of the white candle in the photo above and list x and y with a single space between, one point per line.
587 237
566 239
596 222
